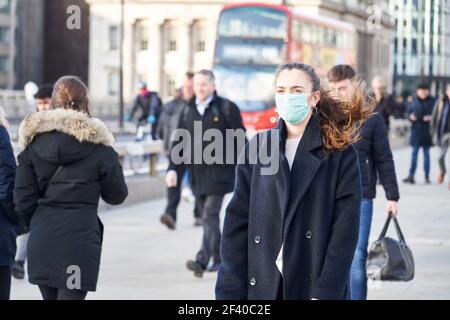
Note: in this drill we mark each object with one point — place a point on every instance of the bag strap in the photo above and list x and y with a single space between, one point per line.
55 173
399 231
52 178
397 228
224 110
385 228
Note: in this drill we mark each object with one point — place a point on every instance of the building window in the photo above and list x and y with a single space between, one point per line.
170 85
4 35
4 64
5 6
170 36
113 83
143 36
199 36
113 38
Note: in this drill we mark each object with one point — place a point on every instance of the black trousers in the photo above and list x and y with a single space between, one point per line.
61 294
209 206
174 196
5 282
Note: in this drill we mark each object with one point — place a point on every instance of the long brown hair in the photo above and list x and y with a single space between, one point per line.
339 121
70 93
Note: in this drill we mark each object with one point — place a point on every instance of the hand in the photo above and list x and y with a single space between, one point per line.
392 208
171 179
427 118
413 117
151 119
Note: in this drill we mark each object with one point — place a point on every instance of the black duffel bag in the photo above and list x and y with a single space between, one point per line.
390 259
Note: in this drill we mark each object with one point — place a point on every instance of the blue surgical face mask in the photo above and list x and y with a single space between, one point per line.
292 107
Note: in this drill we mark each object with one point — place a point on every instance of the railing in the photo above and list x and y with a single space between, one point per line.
150 149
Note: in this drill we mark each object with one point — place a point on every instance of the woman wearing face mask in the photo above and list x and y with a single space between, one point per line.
292 234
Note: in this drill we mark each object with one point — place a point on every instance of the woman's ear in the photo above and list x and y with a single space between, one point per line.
315 98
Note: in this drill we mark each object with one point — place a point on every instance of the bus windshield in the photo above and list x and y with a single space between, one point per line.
250 87
250 51
253 22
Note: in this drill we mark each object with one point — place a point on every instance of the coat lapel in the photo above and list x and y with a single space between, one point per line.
283 178
306 163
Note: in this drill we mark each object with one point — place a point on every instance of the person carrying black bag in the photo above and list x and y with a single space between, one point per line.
375 161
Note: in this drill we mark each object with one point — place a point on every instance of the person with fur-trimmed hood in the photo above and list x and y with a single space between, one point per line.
68 163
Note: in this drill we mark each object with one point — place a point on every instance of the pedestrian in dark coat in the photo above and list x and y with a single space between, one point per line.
211 177
292 234
375 160
167 124
420 112
148 104
440 131
385 103
8 218
68 164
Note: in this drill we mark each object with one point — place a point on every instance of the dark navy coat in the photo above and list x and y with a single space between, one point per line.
420 130
376 160
8 219
313 209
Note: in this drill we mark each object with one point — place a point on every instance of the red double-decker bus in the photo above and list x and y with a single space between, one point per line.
254 38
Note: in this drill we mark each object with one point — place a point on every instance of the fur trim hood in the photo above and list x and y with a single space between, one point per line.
74 123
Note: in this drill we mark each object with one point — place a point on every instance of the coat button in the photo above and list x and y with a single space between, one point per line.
310 277
308 234
252 282
257 239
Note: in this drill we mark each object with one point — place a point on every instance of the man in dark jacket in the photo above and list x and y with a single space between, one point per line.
420 111
211 180
440 130
375 157
385 104
43 97
149 104
167 124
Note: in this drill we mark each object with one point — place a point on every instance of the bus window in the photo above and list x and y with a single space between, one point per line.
322 35
333 36
253 21
296 30
307 33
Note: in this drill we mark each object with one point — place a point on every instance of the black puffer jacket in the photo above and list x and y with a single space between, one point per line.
65 232
375 157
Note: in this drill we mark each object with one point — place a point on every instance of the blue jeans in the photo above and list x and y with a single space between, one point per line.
426 161
358 276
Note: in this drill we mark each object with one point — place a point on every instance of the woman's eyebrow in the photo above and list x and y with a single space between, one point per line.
297 87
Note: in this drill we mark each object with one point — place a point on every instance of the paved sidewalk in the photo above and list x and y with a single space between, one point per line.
143 260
